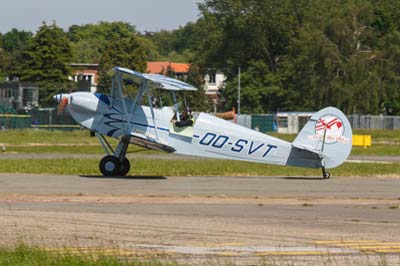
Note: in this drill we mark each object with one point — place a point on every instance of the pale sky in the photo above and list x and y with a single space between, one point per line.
146 15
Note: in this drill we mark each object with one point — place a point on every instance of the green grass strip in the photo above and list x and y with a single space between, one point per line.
385 142
150 167
23 255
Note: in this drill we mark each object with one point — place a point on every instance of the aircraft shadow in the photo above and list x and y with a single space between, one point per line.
308 178
132 177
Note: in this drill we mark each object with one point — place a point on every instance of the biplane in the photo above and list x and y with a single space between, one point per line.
324 142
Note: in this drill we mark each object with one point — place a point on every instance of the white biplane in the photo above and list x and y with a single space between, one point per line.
324 142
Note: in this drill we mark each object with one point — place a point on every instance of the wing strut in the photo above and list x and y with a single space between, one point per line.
152 114
138 98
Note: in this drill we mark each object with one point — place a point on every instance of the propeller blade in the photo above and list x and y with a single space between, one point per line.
62 100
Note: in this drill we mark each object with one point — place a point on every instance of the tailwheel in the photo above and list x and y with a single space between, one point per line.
110 166
125 166
325 174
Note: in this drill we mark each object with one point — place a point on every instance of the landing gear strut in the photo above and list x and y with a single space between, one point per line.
116 164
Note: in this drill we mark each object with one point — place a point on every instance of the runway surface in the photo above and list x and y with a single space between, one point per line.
245 218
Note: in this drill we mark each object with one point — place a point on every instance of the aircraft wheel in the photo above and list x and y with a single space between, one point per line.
125 166
325 174
109 165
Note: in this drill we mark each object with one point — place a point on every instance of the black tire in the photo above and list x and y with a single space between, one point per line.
327 175
109 165
124 168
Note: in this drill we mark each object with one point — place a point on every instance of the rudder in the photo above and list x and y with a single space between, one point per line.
329 134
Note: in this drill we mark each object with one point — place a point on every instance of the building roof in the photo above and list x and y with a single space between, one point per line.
161 67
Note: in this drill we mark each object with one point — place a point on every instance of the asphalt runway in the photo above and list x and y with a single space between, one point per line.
245 218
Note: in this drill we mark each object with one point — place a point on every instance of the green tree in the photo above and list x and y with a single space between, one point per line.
238 32
389 71
89 41
150 48
126 52
2 59
261 91
15 42
197 100
177 45
303 55
47 60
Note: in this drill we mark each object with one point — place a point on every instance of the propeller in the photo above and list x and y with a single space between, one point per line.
62 101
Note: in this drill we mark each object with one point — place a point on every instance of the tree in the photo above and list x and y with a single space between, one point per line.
261 91
90 40
125 52
150 48
238 32
14 43
197 100
177 45
389 70
47 60
303 55
15 40
3 60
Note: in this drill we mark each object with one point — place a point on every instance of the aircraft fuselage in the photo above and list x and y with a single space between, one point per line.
209 136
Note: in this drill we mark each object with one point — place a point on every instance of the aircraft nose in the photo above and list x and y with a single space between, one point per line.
83 102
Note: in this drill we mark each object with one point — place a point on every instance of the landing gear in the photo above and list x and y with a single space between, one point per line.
124 168
325 174
116 164
109 166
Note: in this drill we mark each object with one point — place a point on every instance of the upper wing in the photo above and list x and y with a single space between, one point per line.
154 80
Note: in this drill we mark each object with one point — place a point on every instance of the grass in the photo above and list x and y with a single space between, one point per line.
79 142
190 167
43 141
23 255
377 150
95 148
25 136
377 135
78 148
384 142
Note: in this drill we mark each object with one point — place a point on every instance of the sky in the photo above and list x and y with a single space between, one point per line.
146 15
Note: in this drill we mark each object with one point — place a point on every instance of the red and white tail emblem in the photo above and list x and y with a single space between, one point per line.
333 127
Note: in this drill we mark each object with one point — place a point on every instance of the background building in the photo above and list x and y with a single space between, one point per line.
86 76
18 96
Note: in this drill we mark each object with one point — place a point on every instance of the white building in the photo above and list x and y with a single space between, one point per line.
292 122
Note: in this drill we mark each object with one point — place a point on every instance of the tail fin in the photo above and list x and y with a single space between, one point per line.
327 134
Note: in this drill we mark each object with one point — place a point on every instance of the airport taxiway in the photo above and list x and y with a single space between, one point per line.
203 216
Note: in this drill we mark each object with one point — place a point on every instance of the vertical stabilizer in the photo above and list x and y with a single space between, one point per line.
327 133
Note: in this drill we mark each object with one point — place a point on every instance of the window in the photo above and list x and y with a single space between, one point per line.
282 121
212 78
303 120
5 93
